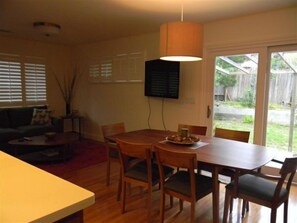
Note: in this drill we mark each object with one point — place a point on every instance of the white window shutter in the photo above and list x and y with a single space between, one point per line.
35 80
10 79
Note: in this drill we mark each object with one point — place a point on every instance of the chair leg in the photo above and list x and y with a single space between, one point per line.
193 211
273 215
181 205
231 205
171 201
119 187
123 202
286 204
108 172
226 205
162 206
149 204
244 203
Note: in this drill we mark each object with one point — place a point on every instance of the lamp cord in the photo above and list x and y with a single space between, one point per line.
149 115
163 114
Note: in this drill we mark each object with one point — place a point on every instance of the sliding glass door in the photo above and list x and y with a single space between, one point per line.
256 90
235 91
282 99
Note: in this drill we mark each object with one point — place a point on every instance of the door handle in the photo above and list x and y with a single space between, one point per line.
208 111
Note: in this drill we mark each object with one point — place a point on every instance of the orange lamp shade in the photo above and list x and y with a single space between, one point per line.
181 41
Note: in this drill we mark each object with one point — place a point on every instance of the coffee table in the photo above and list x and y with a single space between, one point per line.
55 149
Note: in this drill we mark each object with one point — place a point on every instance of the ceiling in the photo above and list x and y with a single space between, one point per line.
86 21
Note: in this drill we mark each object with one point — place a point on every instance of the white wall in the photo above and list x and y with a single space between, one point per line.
273 27
58 61
110 103
125 102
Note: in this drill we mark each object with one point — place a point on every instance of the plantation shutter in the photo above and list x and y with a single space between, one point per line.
10 79
100 70
35 80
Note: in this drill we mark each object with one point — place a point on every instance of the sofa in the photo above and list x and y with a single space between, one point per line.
18 122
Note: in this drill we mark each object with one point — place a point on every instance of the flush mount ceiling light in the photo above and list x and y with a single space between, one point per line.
181 41
47 28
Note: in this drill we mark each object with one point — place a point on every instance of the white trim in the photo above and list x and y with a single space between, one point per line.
247 45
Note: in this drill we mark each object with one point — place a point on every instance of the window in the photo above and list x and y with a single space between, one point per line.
22 80
101 70
10 79
35 81
121 68
282 99
234 91
256 90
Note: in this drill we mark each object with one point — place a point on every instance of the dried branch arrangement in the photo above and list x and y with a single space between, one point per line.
68 85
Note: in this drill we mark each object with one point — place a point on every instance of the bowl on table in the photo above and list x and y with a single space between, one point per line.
50 135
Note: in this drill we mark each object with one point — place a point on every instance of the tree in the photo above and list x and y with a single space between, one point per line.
226 81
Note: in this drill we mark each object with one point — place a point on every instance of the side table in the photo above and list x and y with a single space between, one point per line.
73 118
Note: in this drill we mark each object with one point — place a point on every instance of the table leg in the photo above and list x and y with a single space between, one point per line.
216 194
79 127
72 124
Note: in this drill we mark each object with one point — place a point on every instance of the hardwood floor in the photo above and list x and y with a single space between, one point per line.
107 209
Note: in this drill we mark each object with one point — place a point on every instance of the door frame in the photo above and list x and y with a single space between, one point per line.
270 50
261 87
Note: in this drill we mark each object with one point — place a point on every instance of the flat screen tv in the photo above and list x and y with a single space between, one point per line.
162 79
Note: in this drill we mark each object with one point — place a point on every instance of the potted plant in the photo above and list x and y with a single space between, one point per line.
67 88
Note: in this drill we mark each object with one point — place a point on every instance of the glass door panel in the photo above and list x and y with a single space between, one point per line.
282 102
235 91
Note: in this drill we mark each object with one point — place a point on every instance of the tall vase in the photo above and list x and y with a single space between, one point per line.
68 109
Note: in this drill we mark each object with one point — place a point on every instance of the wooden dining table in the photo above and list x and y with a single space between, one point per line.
218 152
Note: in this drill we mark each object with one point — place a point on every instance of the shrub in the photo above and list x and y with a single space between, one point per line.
248 119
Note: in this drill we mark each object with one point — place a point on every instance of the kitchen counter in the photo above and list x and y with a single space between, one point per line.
29 194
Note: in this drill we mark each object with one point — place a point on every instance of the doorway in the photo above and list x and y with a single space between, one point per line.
235 91
282 99
256 91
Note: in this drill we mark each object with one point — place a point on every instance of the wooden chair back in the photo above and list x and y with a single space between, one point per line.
130 150
113 129
175 159
184 184
193 129
138 174
287 172
112 148
272 197
242 136
178 160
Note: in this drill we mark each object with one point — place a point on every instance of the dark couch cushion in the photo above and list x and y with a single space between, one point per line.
4 119
34 130
7 134
21 116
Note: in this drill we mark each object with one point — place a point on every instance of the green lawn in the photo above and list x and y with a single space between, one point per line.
277 135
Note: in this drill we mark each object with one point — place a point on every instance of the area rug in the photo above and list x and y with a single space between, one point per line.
86 153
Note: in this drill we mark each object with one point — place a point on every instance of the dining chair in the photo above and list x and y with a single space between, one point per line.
186 185
193 129
267 190
144 173
242 136
238 135
112 149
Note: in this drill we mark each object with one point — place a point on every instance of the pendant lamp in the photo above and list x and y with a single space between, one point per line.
181 41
